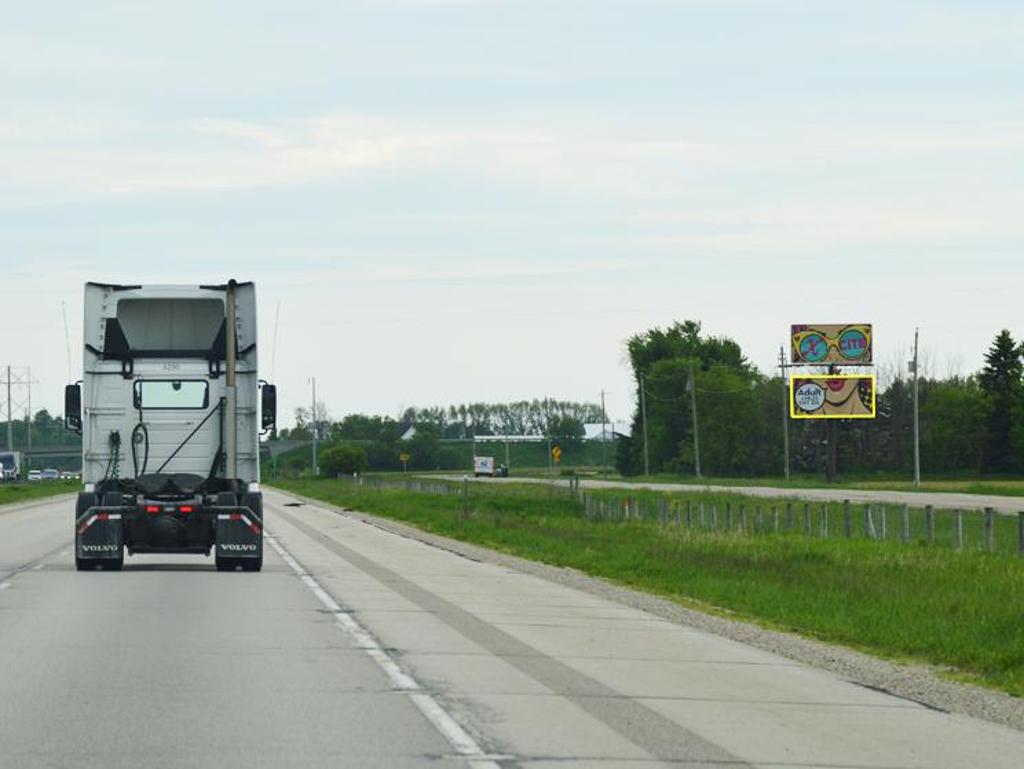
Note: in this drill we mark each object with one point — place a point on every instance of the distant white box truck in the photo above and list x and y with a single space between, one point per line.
10 466
483 466
170 409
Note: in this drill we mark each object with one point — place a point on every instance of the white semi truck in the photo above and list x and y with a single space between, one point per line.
170 409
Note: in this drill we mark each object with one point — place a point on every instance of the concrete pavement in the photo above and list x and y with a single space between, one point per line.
943 500
359 647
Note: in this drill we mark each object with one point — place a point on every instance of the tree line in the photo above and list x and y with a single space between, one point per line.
361 441
547 417
968 424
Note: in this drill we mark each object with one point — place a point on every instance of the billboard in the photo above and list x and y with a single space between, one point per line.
832 396
826 344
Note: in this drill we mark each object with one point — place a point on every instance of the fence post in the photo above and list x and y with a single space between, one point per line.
689 515
869 529
1020 535
990 516
807 518
702 515
465 496
881 519
758 520
714 516
743 518
905 524
929 523
675 505
824 521
775 518
789 517
728 516
958 533
847 519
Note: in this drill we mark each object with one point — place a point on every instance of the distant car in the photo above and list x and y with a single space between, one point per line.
51 474
69 475
35 475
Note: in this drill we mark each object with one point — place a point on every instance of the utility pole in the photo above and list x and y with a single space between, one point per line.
785 415
10 430
917 426
693 403
604 442
643 417
313 429
28 412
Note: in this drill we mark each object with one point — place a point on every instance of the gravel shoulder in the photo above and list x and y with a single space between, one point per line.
920 683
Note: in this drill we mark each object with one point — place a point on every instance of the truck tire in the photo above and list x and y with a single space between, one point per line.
254 501
82 504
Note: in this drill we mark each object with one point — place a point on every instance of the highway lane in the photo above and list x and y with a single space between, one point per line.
942 500
172 664
359 647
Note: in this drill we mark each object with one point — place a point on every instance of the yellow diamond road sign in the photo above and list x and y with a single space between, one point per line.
404 456
556 453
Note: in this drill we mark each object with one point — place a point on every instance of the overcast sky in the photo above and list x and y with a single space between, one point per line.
483 199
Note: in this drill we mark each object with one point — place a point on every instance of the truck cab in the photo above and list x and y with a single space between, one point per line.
170 409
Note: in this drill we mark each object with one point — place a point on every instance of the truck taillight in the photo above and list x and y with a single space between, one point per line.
152 508
187 509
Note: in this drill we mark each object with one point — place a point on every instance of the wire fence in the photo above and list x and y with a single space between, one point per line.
737 515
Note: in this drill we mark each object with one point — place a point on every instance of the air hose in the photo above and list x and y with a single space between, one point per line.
140 434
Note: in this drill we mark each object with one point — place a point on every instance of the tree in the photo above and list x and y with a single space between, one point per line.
343 459
1002 382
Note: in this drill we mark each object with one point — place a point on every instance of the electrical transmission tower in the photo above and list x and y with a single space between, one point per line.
16 398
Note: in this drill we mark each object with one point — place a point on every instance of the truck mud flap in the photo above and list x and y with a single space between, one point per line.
99 535
239 535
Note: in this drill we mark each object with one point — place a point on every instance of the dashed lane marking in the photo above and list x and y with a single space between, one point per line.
460 740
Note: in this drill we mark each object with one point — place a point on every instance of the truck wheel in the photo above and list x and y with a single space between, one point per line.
84 502
254 501
85 564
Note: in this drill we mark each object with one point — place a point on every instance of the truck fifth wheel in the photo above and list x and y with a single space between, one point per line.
170 409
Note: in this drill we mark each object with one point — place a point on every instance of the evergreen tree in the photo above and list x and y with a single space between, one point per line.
1002 382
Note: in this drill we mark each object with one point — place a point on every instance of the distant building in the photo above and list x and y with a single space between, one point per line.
608 431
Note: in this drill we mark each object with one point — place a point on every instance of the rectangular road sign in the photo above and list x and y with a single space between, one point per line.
827 344
832 396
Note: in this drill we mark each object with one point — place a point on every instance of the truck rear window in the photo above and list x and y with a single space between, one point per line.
171 394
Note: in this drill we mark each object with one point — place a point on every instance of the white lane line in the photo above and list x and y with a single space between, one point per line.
65 553
457 737
38 566
4 585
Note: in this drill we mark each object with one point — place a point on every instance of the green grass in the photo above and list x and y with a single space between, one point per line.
25 491
918 601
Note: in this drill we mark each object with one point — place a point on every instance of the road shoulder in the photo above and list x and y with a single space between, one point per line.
919 683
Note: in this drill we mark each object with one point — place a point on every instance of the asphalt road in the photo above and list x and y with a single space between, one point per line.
941 500
357 647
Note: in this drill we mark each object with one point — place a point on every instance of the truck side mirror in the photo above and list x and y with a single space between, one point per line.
268 406
73 408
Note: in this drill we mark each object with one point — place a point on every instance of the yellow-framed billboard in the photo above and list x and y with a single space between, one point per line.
832 396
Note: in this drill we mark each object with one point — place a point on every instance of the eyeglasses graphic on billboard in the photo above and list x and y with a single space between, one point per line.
827 344
832 396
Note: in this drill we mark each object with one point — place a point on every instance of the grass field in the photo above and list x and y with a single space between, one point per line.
24 491
961 611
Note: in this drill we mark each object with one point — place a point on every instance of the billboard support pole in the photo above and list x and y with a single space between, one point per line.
643 417
693 403
785 416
